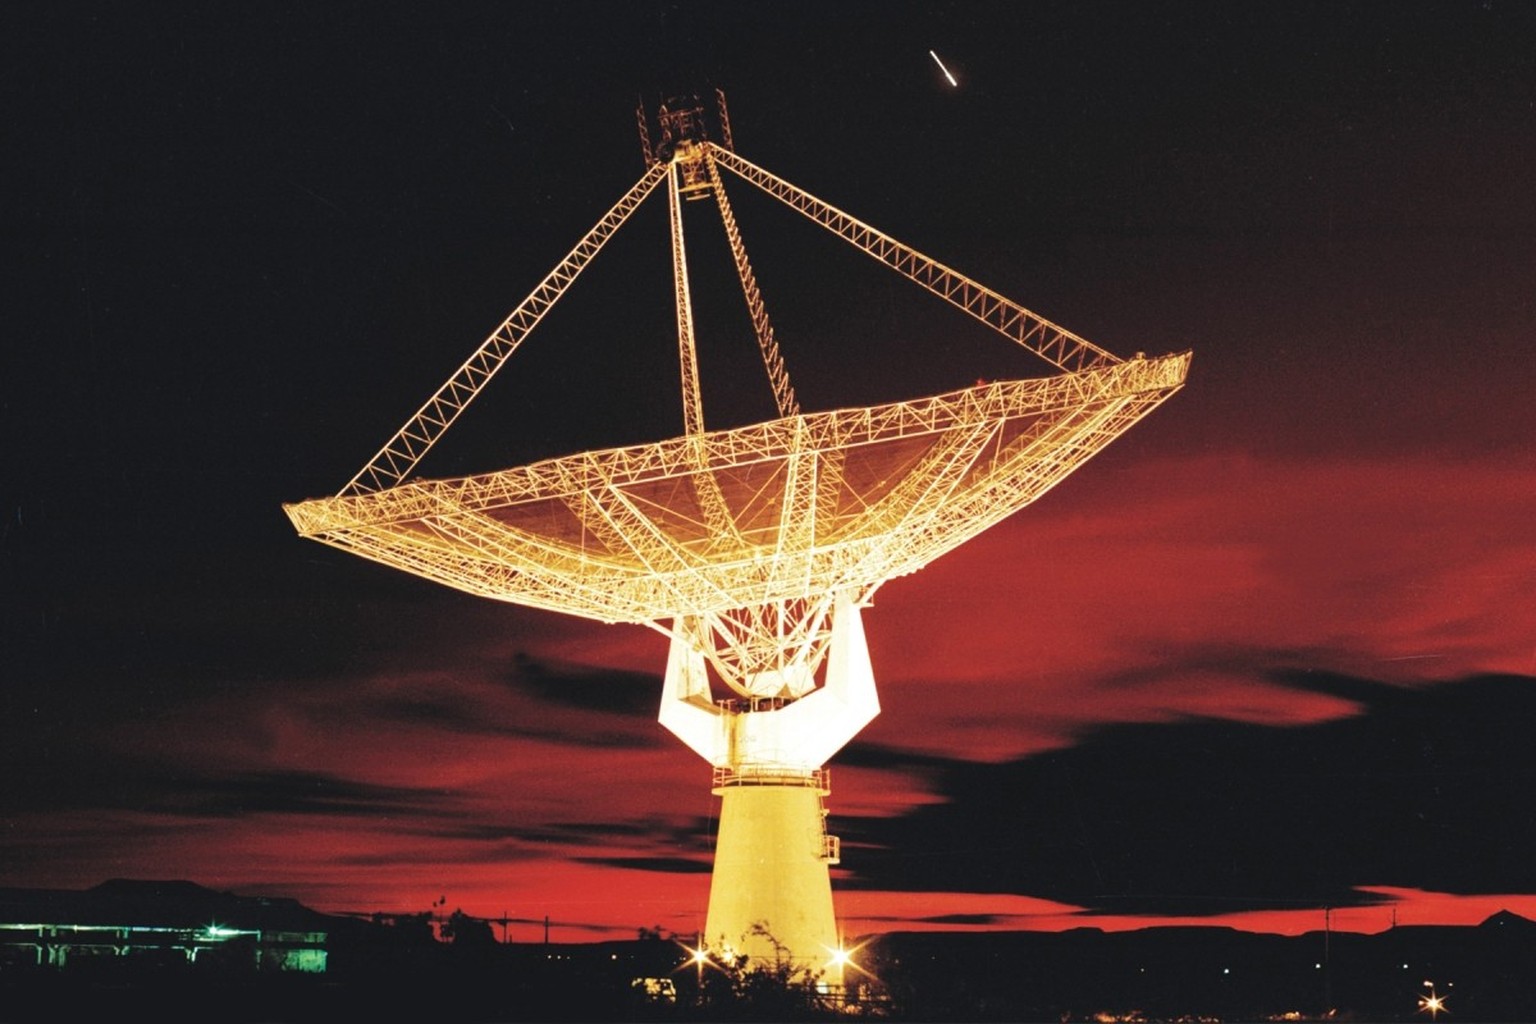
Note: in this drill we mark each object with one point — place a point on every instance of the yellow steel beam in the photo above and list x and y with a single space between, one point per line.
768 345
687 351
1051 342
399 456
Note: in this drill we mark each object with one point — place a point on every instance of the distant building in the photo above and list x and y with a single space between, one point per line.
132 925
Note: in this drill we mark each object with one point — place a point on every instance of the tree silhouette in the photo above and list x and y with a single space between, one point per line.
467 932
734 986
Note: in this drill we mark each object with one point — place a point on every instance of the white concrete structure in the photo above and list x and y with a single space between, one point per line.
771 893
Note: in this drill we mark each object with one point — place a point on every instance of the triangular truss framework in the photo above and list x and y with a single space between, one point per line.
735 541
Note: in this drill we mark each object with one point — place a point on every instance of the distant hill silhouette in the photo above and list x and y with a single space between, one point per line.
395 967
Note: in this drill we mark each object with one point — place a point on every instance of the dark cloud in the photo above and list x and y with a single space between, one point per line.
488 833
963 919
1428 787
605 828
871 755
667 865
98 781
588 687
689 833
283 792
429 708
583 735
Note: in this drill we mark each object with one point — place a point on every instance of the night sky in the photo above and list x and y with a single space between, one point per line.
1273 651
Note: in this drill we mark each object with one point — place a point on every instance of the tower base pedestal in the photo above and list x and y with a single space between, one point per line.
770 897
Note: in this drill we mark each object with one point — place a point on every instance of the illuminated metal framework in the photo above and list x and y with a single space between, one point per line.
818 504
753 549
741 535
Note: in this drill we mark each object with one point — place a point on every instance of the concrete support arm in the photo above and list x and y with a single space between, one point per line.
686 708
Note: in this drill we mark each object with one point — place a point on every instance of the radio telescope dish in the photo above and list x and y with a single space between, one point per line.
753 549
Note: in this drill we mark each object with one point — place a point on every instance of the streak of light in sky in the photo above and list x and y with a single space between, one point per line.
944 69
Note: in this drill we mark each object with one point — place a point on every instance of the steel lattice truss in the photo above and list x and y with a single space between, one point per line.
818 502
736 541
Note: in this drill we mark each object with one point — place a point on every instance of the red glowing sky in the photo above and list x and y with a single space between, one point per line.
1314 564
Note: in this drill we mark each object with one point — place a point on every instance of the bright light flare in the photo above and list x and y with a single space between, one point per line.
698 958
944 69
1432 1004
841 958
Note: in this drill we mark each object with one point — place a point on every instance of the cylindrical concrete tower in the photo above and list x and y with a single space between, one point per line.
771 894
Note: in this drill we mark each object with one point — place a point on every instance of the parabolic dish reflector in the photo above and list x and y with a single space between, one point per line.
817 503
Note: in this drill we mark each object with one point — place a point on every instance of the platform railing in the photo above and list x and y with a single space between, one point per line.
725 776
